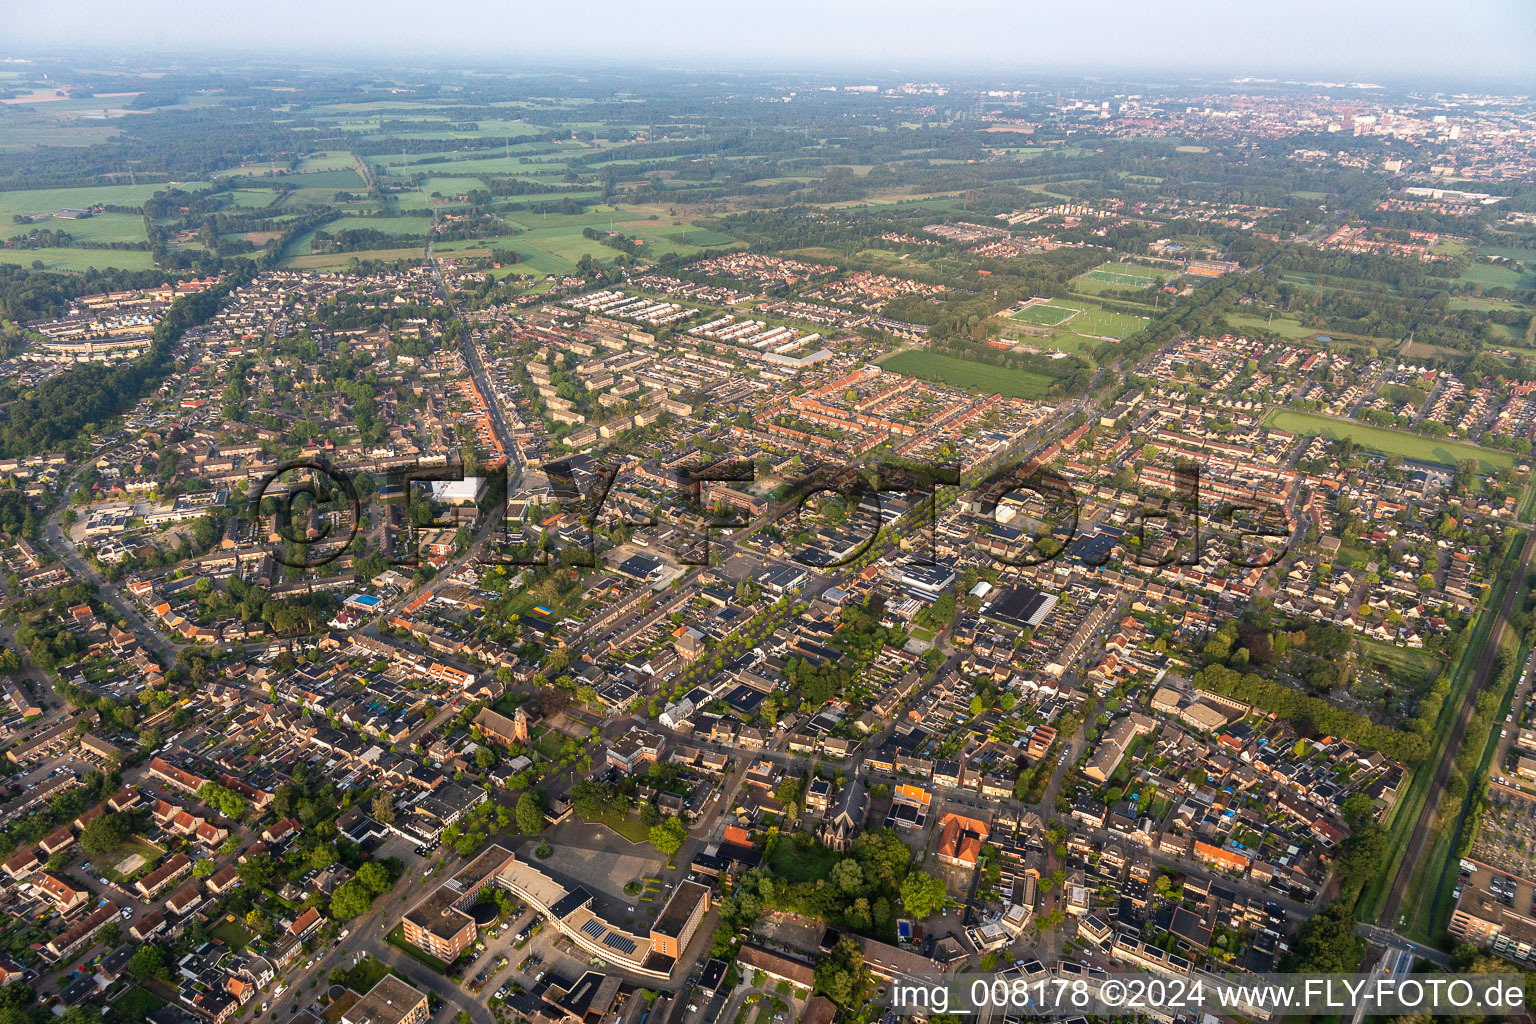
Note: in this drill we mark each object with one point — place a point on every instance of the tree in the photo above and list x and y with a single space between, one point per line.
258 870
105 833
668 836
322 856
840 975
148 961
922 894
1326 943
383 808
349 900
1361 855
848 876
530 812
204 868
374 878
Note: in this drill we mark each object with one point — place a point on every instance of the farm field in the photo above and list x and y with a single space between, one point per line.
1509 252
1285 326
1483 304
337 260
962 373
344 178
104 227
51 200
1390 442
79 259
1491 276
329 160
1312 280
412 227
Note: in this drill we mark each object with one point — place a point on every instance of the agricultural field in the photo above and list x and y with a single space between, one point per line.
103 227
1285 326
51 200
1390 442
338 260
1493 276
79 259
962 373
1483 304
1508 252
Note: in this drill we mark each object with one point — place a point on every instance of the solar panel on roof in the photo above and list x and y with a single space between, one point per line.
594 928
623 943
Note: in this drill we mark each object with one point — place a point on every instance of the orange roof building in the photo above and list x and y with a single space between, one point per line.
961 839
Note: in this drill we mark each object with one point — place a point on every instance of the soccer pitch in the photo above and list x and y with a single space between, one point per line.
1122 276
1045 315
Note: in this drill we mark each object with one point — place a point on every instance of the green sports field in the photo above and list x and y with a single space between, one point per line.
1046 315
1102 323
1119 275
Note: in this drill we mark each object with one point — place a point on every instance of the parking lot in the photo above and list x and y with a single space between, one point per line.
604 863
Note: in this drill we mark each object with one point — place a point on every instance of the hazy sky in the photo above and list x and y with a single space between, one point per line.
1342 39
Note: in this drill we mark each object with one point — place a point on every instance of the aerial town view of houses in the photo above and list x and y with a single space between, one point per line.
498 548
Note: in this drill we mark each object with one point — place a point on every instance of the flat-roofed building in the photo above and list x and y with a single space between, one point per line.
441 924
390 1001
679 920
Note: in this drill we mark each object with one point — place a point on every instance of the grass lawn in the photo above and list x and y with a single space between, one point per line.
801 864
342 178
962 373
550 744
1284 326
1391 442
107 866
232 933
1315 280
396 938
1484 303
414 227
365 974
1072 344
624 825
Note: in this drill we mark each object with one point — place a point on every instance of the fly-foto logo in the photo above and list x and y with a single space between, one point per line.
312 513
